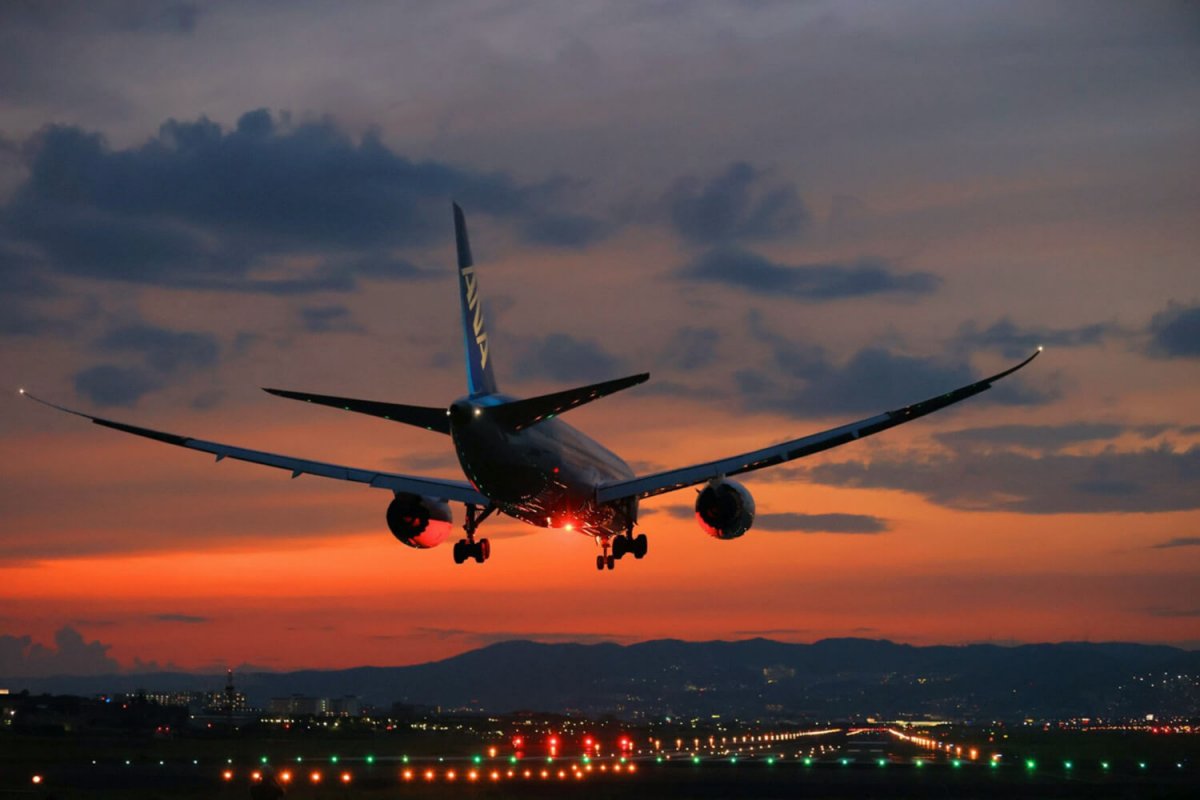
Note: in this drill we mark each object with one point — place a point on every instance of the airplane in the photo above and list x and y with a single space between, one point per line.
522 461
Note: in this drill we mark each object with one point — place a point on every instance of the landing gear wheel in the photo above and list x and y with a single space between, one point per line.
600 562
620 546
610 562
640 545
484 550
460 554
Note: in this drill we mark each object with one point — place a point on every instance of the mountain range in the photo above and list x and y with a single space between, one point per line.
748 679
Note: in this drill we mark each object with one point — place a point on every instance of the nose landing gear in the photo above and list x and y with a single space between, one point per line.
468 547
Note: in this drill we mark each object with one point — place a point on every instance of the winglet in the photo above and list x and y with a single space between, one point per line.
480 379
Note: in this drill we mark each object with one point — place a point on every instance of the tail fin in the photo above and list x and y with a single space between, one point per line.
480 379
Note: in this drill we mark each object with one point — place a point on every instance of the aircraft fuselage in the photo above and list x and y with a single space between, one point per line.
545 474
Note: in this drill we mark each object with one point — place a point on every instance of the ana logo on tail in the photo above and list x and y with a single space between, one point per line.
472 286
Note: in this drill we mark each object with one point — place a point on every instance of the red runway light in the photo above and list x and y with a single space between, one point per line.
315 777
347 777
285 776
227 774
36 779
407 774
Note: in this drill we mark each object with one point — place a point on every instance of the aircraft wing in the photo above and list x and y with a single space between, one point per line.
670 480
441 488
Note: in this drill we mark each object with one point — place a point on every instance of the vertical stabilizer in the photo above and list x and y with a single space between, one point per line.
480 379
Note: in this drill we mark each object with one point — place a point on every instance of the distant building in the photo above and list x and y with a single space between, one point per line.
300 705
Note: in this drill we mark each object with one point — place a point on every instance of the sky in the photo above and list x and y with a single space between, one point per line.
792 215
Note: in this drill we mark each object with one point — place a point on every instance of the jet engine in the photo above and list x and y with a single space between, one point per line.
725 509
420 522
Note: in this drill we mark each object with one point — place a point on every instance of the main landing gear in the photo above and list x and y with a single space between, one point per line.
468 547
622 544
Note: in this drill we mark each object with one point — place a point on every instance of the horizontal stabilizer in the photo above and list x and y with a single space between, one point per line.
520 414
433 419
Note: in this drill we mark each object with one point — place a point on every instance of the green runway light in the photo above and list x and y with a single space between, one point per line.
477 759
1141 765
403 759
588 759
695 759
919 762
1068 764
882 762
995 764
333 759
956 763
1030 764
128 762
845 761
1103 765
733 759
263 759
512 759
370 759
657 760
770 762
299 759
227 761
622 759
808 762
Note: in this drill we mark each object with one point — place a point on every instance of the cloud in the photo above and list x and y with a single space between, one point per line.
1175 332
873 379
566 230
690 348
20 656
1014 341
109 385
201 206
789 522
1037 437
188 619
1178 541
326 319
482 638
1145 481
163 353
743 269
1173 613
739 204
562 357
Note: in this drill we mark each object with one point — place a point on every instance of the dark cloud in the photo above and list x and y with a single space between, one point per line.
1150 480
1175 332
1172 613
482 638
789 522
1179 541
690 348
1036 437
164 354
739 204
20 656
326 319
201 206
188 619
816 282
873 379
1015 341
129 16
566 230
164 350
110 385
562 357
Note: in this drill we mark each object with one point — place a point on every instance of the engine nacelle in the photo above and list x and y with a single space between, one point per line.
725 509
418 521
